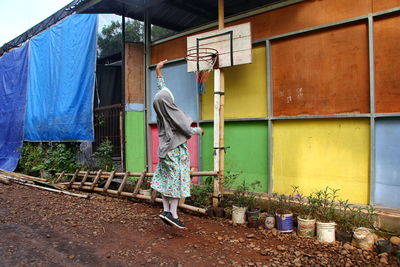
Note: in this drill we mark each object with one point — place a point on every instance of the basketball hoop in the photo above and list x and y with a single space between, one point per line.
206 60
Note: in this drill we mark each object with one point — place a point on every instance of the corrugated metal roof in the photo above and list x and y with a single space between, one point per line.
177 15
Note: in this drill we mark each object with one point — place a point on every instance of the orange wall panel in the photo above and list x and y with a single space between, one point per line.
379 5
304 15
387 64
283 20
321 73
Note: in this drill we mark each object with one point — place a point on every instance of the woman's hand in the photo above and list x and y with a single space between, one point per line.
159 66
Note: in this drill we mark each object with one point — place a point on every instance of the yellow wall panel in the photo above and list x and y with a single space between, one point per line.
314 154
245 90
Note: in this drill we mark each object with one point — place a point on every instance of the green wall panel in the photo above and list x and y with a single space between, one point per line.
247 153
135 141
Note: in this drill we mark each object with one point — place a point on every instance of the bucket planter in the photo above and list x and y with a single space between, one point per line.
284 222
305 227
238 214
252 213
269 221
326 231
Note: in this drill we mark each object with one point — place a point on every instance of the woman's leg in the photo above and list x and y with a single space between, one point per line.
166 205
174 207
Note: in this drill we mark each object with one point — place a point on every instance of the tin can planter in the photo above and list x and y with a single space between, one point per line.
269 221
238 214
305 227
284 222
326 231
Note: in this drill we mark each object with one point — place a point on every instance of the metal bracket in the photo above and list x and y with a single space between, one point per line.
219 93
225 148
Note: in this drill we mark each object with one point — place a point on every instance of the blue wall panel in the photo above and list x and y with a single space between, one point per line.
387 183
182 85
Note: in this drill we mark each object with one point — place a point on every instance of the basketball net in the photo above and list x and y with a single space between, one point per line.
203 75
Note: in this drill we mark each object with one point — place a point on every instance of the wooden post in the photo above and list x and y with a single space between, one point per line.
122 185
219 90
73 178
84 179
139 183
109 180
60 177
96 179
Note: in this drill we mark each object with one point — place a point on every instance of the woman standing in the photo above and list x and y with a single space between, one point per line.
172 175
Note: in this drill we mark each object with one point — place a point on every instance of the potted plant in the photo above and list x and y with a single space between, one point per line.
240 203
325 210
284 216
306 220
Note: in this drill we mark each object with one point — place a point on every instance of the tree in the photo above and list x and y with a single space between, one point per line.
110 39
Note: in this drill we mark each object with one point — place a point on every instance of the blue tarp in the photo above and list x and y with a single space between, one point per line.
13 84
61 81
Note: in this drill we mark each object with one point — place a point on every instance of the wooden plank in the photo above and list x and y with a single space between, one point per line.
60 177
109 180
96 180
5 181
73 178
134 81
23 176
121 186
84 179
139 183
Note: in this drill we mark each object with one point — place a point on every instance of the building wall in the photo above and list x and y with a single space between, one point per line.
135 141
325 123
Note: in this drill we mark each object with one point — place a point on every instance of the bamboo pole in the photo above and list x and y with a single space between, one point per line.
22 182
219 124
138 174
138 196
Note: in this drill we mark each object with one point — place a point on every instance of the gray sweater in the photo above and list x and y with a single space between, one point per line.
174 126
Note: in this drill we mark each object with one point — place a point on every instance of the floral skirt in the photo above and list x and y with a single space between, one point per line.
172 175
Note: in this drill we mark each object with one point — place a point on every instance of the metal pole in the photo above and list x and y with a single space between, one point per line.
122 114
270 114
147 49
372 106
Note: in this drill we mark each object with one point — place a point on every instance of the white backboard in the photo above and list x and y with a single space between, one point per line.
232 43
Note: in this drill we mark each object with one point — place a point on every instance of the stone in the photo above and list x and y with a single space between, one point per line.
297 253
348 246
384 260
263 252
344 252
250 236
280 248
241 240
395 240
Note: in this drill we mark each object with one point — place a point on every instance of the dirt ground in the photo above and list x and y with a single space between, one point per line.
40 228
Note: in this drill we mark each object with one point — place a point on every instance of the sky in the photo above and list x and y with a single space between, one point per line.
17 16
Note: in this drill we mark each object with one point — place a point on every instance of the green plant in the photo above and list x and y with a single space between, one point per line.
101 158
323 204
52 157
243 195
201 194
